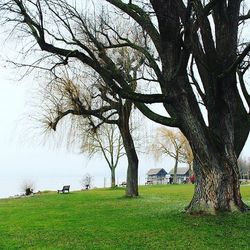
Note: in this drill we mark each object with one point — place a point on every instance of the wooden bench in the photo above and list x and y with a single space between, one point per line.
64 189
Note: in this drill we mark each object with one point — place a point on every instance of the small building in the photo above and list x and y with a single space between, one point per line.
182 174
156 176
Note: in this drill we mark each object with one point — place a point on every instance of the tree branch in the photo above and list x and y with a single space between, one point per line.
206 32
237 62
53 124
245 17
156 117
142 18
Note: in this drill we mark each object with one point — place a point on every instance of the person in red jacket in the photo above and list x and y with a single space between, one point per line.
192 179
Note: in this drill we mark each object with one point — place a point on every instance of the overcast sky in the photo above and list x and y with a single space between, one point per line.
22 160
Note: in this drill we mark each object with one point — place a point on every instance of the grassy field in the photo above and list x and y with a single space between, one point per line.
104 219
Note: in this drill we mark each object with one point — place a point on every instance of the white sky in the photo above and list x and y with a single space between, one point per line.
48 169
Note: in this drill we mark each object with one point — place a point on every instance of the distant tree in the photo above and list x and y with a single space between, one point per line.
106 141
188 156
173 144
86 181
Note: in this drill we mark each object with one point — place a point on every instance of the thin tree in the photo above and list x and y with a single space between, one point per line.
106 141
177 38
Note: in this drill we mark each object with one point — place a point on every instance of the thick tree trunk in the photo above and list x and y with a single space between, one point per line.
112 176
217 189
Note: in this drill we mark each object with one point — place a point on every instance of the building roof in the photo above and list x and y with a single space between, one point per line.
155 171
180 171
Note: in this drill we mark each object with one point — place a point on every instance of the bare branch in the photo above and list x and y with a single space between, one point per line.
237 62
141 17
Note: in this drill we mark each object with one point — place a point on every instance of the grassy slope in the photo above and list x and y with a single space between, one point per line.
103 219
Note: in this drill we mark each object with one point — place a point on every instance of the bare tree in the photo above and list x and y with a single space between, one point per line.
106 141
177 38
173 144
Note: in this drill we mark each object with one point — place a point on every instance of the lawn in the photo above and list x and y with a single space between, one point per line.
104 219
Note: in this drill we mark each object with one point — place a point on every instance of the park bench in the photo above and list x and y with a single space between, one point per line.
64 189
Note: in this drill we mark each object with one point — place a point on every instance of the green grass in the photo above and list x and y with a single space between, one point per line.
104 219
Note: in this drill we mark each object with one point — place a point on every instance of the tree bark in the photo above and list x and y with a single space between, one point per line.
217 189
133 161
132 171
132 175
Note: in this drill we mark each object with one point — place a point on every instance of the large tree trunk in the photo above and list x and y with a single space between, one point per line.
217 189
